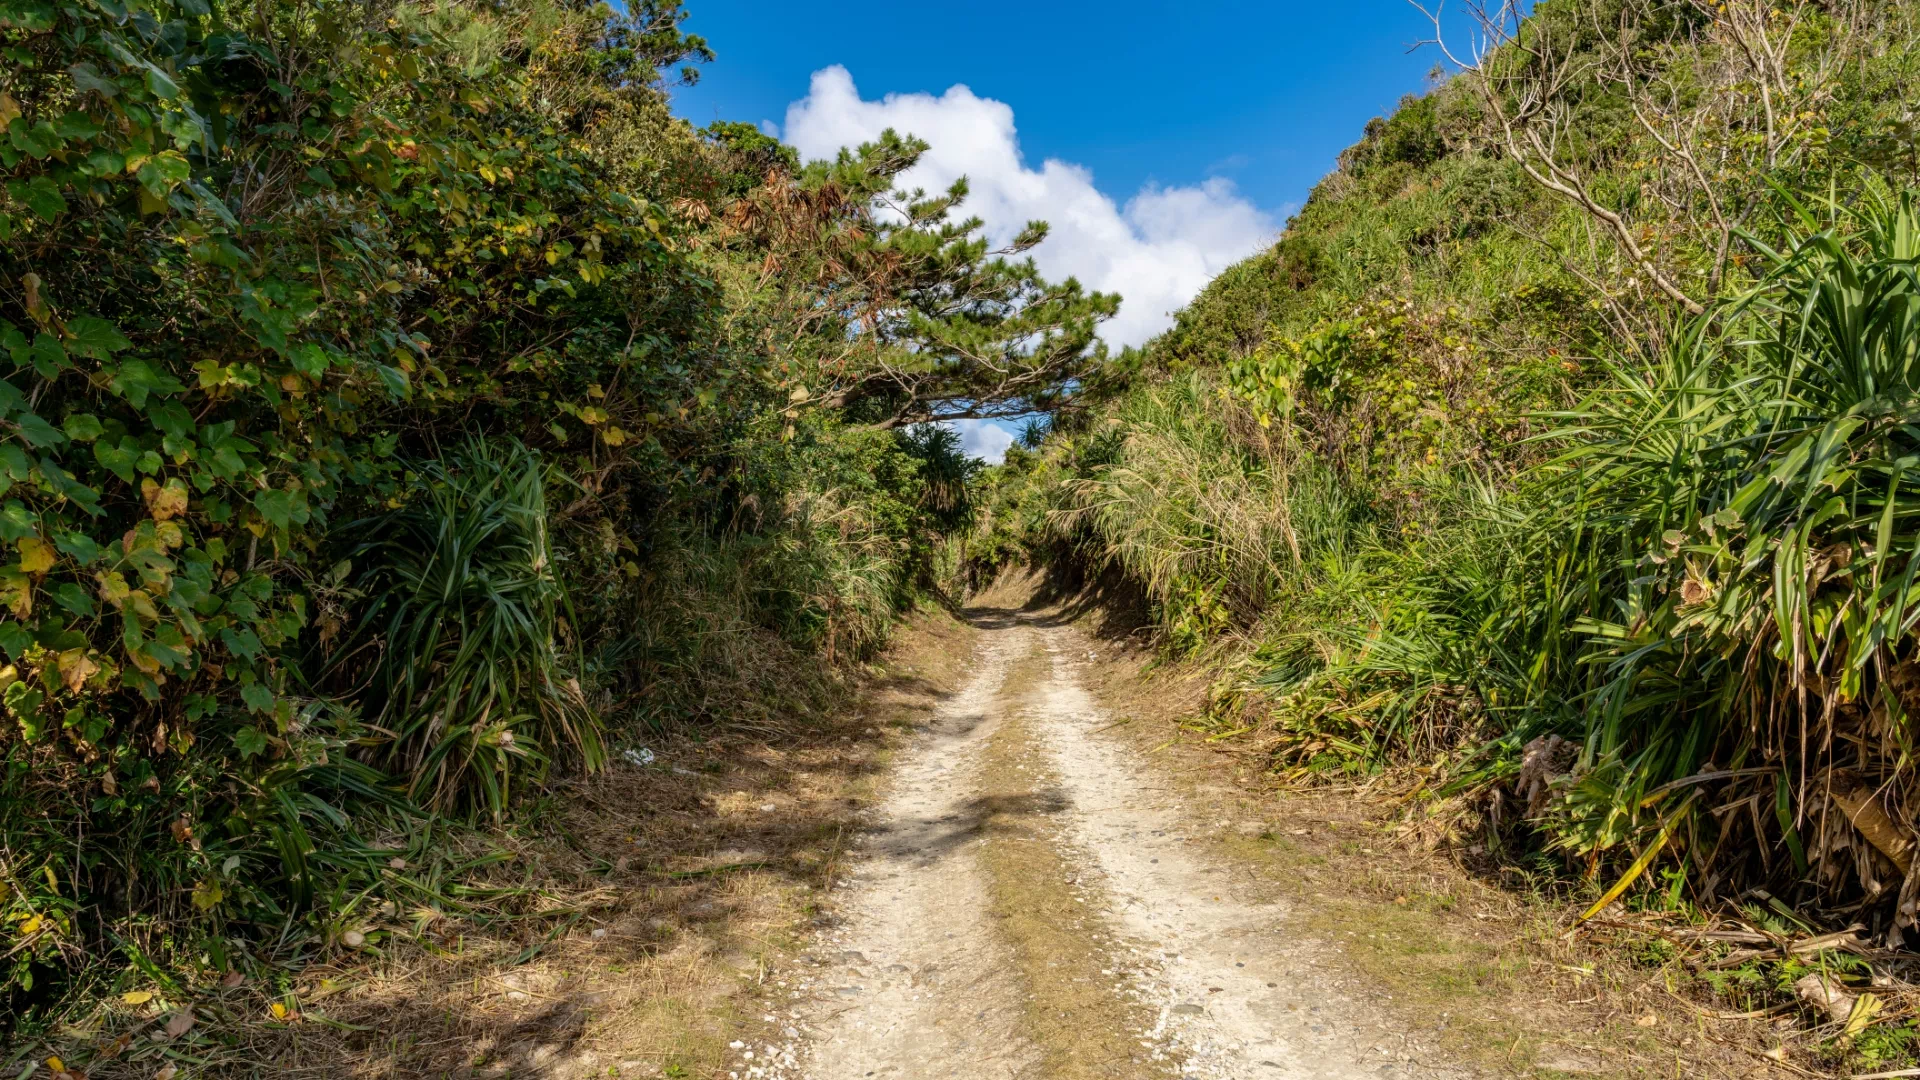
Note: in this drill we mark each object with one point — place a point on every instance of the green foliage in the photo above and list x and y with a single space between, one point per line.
904 313
259 266
457 652
1214 519
1525 494
1411 135
947 474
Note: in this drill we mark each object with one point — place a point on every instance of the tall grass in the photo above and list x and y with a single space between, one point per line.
460 656
1706 578
1711 589
1214 516
747 626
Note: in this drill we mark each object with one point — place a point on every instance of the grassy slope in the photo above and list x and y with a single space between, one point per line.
1324 461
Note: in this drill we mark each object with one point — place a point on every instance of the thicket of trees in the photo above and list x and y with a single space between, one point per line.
1562 447
403 405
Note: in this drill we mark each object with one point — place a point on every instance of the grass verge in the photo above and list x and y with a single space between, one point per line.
1064 950
1487 971
620 928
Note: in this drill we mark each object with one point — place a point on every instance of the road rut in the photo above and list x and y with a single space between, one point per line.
1194 971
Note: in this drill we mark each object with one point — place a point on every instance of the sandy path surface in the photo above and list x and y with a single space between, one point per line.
918 985
917 980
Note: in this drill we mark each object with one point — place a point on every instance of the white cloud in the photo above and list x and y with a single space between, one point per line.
986 439
1156 252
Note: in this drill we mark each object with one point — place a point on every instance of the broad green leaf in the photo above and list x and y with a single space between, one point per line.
87 79
164 171
118 460
77 125
65 485
248 739
77 545
283 509
242 643
17 521
41 195
136 379
74 598
171 417
49 356
82 427
162 86
38 432
34 140
258 696
15 639
94 337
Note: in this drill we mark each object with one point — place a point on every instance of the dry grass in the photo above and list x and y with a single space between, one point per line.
647 905
1487 972
1083 1029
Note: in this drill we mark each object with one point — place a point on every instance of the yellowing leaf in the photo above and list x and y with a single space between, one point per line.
16 592
113 588
1866 1008
137 997
9 108
36 555
593 414
76 668
613 436
31 924
163 502
143 604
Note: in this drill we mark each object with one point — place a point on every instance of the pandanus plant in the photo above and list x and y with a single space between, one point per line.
457 655
1745 538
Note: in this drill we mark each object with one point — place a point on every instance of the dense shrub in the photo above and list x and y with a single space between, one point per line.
403 405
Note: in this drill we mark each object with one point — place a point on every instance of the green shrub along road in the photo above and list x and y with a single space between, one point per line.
404 408
1563 443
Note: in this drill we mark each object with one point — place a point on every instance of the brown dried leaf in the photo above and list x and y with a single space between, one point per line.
76 668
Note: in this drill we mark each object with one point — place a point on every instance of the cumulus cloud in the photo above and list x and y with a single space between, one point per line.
1156 251
984 439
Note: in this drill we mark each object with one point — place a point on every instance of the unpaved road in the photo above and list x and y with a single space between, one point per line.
1033 904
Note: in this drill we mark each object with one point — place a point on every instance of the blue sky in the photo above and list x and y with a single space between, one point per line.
1165 141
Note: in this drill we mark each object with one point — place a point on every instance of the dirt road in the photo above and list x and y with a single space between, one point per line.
1033 903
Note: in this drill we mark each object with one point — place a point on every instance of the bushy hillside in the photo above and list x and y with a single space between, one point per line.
404 411
1559 448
